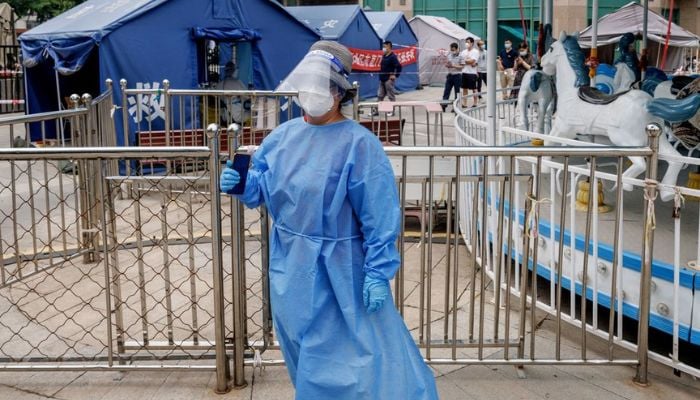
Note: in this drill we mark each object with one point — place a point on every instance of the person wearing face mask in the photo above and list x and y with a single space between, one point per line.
470 76
330 190
506 63
481 66
390 71
454 74
523 63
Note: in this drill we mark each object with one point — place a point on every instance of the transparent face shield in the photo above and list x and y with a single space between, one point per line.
318 78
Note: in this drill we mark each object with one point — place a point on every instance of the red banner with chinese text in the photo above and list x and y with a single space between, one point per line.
370 60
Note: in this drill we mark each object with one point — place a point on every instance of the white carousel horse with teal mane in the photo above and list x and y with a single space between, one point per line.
614 79
536 88
622 118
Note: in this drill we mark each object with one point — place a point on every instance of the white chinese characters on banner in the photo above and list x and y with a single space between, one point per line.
147 107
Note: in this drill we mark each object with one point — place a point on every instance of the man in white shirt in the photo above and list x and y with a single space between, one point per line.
481 66
470 75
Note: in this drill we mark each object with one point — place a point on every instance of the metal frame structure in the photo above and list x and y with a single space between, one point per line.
146 230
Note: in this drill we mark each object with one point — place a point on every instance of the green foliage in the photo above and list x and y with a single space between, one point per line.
43 9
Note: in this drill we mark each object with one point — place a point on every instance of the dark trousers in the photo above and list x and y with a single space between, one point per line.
453 81
482 78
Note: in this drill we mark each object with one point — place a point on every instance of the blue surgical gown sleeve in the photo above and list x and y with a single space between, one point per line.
374 198
253 195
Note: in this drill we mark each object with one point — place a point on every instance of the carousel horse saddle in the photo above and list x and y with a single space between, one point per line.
675 110
592 95
679 82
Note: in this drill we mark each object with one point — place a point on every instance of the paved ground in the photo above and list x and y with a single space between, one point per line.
471 382
454 382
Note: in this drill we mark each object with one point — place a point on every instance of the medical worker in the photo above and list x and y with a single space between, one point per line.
330 190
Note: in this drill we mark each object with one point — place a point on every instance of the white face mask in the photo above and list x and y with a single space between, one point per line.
314 104
508 45
523 53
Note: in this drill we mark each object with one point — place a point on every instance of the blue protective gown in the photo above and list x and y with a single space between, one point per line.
332 196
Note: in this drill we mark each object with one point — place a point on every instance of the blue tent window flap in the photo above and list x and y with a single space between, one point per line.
226 34
69 55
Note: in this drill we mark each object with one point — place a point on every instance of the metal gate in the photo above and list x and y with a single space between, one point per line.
11 80
121 258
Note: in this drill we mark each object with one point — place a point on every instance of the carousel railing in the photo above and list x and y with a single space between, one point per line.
673 297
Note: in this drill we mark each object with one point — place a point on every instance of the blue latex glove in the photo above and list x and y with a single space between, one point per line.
374 293
229 178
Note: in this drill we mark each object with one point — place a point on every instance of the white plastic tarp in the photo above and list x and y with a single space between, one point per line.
434 37
630 18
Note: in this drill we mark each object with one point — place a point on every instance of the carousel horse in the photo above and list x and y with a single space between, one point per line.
688 132
669 89
617 79
622 118
611 80
536 88
624 77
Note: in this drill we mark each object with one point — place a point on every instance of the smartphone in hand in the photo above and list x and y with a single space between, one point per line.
241 163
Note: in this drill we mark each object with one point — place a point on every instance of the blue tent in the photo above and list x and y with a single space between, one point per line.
147 41
349 26
393 26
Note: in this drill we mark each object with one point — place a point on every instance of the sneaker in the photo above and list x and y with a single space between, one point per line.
374 113
390 114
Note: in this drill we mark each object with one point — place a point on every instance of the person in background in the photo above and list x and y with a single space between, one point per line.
331 192
506 63
523 63
470 76
628 55
454 74
481 66
390 71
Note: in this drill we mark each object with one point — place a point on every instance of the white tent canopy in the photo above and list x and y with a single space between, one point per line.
630 18
7 19
434 37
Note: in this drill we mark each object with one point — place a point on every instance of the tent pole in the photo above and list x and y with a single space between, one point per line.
60 120
491 34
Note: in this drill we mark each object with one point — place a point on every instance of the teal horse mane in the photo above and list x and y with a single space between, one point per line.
577 60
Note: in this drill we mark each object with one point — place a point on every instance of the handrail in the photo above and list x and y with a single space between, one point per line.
112 153
39 117
555 151
212 92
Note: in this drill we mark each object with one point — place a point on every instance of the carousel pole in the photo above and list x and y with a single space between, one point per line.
491 36
584 187
645 36
593 60
549 12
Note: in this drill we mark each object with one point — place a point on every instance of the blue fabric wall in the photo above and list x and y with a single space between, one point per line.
360 35
402 36
159 44
349 26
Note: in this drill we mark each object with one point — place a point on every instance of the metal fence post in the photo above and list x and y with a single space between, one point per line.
265 255
238 280
87 179
650 192
356 101
222 374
